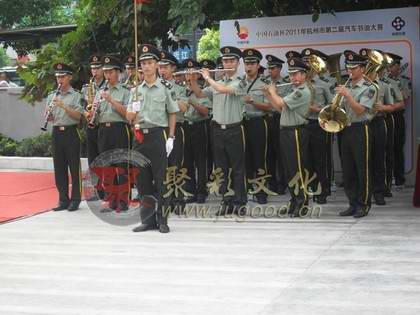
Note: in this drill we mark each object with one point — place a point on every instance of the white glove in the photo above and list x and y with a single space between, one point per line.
169 146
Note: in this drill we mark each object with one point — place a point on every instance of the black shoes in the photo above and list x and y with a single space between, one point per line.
349 212
191 199
73 206
61 207
379 199
261 199
360 213
201 198
388 194
321 199
144 227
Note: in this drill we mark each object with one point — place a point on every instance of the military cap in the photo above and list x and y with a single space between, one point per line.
61 69
190 64
219 63
130 62
273 61
293 54
95 61
296 64
230 52
321 54
149 52
167 58
251 55
209 64
353 60
396 59
111 62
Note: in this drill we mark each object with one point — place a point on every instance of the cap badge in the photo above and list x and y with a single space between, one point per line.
269 58
95 58
145 49
227 50
307 52
292 62
190 64
59 66
350 57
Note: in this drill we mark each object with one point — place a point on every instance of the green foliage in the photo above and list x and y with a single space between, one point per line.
187 14
8 146
36 146
4 59
209 45
38 75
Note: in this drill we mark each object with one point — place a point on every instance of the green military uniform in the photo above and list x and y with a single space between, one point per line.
113 132
66 144
318 146
277 180
196 147
228 136
356 143
154 102
294 138
403 84
396 96
255 127
378 130
92 133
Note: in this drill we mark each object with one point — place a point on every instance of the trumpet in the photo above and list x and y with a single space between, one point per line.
198 71
95 107
49 109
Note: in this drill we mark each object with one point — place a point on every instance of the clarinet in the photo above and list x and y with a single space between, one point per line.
49 109
95 107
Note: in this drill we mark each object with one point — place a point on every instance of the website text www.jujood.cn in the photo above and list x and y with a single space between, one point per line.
199 211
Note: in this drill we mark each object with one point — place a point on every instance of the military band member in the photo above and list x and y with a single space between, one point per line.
167 66
209 64
378 130
274 160
359 98
255 125
196 136
113 131
318 137
98 83
293 134
229 143
65 116
404 84
130 69
153 110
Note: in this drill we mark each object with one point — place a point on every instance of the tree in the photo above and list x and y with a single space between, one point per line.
4 59
209 44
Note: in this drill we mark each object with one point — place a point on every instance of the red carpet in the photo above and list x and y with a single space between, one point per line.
24 194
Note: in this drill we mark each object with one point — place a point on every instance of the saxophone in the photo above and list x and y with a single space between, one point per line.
90 95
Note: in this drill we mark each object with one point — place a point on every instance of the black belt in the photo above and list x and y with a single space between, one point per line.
151 130
226 126
253 118
110 124
191 123
358 124
64 128
313 121
179 124
292 127
378 118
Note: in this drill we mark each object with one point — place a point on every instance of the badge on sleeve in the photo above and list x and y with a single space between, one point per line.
297 95
371 93
173 95
242 83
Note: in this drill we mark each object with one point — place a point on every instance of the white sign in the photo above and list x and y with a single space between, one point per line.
389 30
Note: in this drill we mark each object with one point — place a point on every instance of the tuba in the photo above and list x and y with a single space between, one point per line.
333 118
